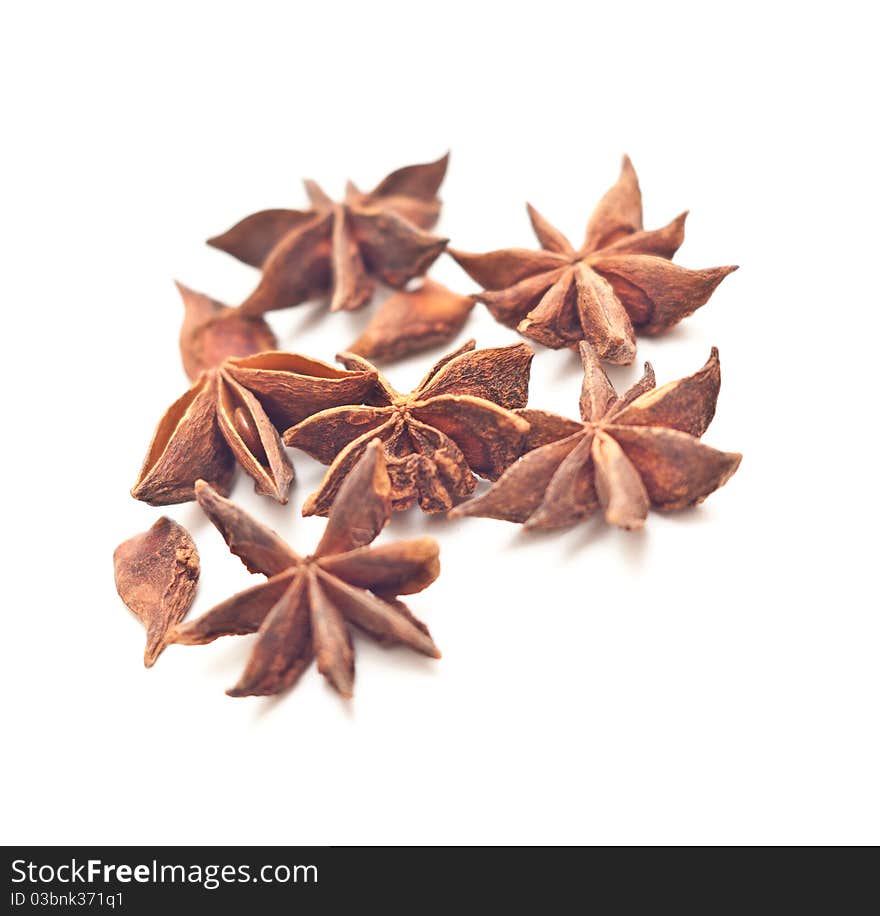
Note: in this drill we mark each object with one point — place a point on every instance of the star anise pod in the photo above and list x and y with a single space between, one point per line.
156 575
307 605
412 321
458 422
630 453
231 412
618 281
339 250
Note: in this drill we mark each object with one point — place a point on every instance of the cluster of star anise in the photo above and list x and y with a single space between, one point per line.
386 450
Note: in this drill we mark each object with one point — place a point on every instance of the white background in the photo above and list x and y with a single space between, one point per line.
711 680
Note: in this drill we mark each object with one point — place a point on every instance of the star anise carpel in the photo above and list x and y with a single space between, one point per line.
619 280
232 412
156 575
305 608
457 423
212 332
413 320
340 250
629 453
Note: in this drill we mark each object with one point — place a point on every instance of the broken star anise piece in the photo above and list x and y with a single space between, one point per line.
629 453
339 250
156 576
620 280
412 321
231 412
458 422
306 607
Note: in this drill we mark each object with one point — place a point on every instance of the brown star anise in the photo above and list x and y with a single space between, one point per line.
620 278
340 249
305 608
458 422
230 414
629 453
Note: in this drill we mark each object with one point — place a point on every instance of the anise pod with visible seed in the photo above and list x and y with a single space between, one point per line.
413 320
156 576
339 250
621 279
627 454
457 423
306 607
228 416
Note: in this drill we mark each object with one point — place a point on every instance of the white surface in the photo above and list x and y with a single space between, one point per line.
713 680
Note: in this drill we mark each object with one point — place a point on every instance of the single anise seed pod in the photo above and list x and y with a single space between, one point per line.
212 332
156 576
412 321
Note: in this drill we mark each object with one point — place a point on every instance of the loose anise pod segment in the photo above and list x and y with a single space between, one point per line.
156 576
212 333
412 321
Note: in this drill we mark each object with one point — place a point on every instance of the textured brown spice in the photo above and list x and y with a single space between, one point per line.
340 250
232 412
629 453
306 607
212 332
412 321
458 422
620 280
156 576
